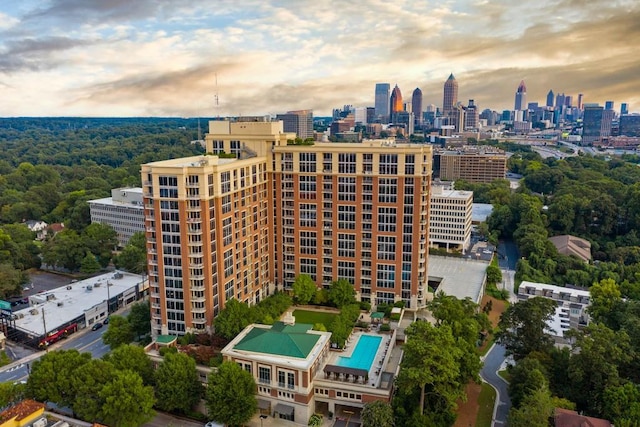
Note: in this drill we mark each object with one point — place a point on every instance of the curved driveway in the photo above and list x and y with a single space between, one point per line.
489 373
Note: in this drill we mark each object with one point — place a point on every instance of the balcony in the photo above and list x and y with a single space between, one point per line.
192 184
196 276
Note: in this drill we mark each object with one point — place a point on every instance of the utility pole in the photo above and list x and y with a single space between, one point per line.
44 324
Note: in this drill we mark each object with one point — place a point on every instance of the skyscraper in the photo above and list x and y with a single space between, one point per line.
382 101
624 108
471 116
450 95
596 123
521 97
450 101
220 228
580 96
550 98
395 104
608 105
299 122
560 101
416 105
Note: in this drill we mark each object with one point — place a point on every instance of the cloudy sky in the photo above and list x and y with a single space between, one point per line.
161 57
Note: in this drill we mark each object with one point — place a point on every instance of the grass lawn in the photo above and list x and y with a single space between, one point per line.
485 409
313 317
505 374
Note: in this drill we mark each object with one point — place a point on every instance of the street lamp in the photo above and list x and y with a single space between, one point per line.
262 417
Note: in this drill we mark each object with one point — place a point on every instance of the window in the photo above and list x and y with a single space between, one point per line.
387 248
307 186
388 164
388 190
346 245
386 275
387 219
409 164
347 188
308 215
225 180
235 148
347 217
264 375
218 146
347 163
308 162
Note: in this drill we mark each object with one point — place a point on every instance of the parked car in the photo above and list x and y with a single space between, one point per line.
213 424
96 326
106 321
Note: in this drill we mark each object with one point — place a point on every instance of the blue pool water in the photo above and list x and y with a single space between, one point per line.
364 353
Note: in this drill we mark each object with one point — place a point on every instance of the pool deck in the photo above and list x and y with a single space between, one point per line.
380 363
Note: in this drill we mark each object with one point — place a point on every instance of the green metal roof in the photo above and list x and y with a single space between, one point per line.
281 340
166 339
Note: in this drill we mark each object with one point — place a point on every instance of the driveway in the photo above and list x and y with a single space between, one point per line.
489 373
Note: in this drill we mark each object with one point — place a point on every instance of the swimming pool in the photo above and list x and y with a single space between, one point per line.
364 353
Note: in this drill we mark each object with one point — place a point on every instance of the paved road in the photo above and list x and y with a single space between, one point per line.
492 363
84 340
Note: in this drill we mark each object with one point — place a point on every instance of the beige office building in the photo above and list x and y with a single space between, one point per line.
473 164
221 228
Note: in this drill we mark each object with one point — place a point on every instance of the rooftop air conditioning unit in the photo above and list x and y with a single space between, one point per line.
33 311
97 284
42 422
69 287
60 304
89 288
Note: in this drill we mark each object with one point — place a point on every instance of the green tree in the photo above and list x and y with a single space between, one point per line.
133 257
430 364
89 264
10 393
494 275
127 402
101 239
140 318
605 298
51 377
118 333
88 381
342 293
527 376
377 414
597 354
304 289
522 327
66 249
133 358
230 395
620 402
232 319
11 280
178 386
536 409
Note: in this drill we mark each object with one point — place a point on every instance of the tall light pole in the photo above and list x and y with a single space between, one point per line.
262 417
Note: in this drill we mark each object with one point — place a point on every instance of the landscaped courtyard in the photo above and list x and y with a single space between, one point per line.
312 317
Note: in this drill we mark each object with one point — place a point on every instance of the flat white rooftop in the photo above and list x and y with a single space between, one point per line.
553 288
110 202
461 277
62 305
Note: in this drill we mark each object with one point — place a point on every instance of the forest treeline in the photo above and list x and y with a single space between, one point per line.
51 167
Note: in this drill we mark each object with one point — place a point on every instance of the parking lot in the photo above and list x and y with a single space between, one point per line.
39 281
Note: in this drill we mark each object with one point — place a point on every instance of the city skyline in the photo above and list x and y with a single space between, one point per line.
162 58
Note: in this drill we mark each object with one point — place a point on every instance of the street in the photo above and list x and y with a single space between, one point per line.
85 340
489 373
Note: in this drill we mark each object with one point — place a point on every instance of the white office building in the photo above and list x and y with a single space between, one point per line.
450 220
123 211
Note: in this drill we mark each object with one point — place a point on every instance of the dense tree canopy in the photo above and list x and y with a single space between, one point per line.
230 395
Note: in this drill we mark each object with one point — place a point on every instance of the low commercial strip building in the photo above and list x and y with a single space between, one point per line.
52 315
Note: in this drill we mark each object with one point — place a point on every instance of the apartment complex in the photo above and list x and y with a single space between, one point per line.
572 311
473 164
450 223
221 228
123 211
